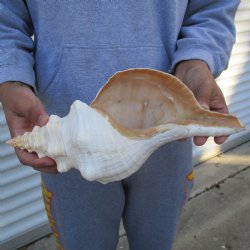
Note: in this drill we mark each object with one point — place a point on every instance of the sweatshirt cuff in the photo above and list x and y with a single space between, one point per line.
17 73
195 54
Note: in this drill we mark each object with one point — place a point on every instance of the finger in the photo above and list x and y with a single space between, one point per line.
218 103
221 108
203 96
46 168
43 165
42 120
220 139
31 159
200 140
51 170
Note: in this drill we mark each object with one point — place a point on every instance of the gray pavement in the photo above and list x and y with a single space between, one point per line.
217 215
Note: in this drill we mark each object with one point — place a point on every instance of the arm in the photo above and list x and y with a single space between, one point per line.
23 110
16 45
207 33
203 50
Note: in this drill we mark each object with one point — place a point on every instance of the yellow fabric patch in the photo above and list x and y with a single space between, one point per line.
190 176
47 197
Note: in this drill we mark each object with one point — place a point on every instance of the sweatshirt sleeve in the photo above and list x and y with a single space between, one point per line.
207 33
16 45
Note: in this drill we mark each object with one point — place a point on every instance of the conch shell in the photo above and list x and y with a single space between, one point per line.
135 112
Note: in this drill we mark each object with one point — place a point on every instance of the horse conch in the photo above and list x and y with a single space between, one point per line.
135 112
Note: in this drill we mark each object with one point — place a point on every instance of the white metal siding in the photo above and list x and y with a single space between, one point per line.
22 216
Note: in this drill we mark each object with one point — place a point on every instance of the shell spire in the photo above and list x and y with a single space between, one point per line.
45 141
31 141
21 141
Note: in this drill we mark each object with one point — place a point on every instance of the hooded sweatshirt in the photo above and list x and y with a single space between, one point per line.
67 49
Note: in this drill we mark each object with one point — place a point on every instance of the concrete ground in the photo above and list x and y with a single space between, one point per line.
217 215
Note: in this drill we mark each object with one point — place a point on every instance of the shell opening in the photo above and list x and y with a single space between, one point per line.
141 101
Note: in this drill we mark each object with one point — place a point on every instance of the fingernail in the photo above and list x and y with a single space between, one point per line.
205 106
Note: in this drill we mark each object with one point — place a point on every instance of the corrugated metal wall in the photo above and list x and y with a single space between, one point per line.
22 216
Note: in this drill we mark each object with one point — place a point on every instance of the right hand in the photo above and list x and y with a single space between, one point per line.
197 76
23 110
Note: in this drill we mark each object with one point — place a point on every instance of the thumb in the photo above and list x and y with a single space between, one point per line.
203 98
42 120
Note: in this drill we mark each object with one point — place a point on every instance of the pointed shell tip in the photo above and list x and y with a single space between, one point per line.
9 142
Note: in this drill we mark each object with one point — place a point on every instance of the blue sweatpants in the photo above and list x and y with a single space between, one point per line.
86 215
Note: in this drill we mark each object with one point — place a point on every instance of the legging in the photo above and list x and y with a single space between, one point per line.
86 215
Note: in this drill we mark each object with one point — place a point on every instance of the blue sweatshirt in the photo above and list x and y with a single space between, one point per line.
79 44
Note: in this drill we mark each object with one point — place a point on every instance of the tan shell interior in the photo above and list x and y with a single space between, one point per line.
138 101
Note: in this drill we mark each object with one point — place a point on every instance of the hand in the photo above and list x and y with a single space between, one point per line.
23 110
197 76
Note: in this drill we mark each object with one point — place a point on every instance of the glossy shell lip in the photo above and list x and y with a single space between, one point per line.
173 97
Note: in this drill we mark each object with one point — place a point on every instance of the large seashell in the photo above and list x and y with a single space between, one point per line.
136 111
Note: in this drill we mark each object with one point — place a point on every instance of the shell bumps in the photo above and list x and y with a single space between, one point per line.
135 112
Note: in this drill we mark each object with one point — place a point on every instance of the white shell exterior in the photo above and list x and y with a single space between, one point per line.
86 140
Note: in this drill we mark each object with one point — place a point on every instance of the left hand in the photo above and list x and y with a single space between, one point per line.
197 76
